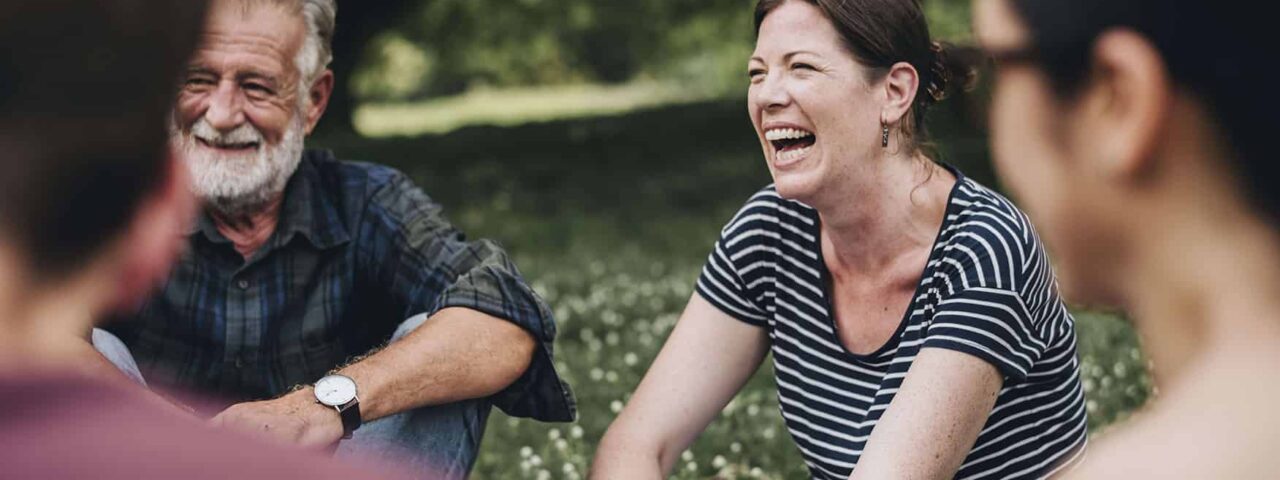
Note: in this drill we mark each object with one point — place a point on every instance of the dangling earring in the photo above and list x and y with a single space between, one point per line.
884 135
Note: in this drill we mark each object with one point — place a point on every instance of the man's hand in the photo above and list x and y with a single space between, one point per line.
294 419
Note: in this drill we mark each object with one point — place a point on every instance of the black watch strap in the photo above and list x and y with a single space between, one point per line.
350 417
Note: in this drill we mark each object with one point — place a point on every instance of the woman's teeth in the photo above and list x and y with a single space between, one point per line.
793 153
785 134
791 144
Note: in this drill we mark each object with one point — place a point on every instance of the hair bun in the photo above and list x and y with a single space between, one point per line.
949 73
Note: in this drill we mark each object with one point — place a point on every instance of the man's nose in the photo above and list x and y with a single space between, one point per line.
226 108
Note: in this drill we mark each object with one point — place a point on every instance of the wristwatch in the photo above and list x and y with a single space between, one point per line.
339 392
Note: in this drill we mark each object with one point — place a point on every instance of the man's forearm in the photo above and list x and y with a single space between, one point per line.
457 354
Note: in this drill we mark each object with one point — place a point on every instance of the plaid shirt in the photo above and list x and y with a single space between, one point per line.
358 249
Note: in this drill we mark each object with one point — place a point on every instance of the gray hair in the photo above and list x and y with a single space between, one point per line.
316 53
320 16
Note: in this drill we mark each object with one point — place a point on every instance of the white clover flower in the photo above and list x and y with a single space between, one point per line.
553 433
719 462
691 466
735 447
597 374
544 475
611 376
687 455
757 472
630 359
753 410
535 461
730 407
568 468
575 431
526 451
615 406
768 433
561 445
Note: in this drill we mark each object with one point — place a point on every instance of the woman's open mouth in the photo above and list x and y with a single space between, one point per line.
790 144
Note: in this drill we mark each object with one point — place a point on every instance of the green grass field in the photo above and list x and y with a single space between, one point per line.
610 218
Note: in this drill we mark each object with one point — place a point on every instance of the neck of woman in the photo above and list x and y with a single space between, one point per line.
45 328
1207 294
889 212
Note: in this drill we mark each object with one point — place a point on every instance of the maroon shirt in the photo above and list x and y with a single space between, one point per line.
75 428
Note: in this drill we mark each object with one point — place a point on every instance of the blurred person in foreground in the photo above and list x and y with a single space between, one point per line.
328 299
913 317
90 207
1140 136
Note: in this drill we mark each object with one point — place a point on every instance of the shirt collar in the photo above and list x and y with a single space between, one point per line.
309 209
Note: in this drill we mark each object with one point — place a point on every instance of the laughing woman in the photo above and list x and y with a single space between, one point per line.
914 321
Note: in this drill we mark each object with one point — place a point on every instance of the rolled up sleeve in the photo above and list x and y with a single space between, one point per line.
429 265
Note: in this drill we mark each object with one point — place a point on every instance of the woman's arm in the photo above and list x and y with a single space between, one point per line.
934 419
706 360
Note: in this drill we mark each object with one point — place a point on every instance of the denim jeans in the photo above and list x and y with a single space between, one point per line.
441 440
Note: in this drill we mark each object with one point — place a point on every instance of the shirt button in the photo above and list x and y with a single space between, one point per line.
243 284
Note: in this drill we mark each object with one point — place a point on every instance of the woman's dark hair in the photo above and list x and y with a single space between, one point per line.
1221 52
881 33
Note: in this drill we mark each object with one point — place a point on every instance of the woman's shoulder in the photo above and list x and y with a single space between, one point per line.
767 211
987 234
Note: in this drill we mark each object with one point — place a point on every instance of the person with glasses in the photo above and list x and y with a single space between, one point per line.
1138 135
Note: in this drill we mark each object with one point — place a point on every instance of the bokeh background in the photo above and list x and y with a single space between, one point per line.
604 143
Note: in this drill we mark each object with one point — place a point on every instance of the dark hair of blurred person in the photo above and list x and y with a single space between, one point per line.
1138 135
912 316
91 208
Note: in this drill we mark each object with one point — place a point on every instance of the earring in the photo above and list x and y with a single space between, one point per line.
884 135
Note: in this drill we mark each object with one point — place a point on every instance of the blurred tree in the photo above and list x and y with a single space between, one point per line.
454 45
358 22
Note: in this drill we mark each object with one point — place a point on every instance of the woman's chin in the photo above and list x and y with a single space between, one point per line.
796 185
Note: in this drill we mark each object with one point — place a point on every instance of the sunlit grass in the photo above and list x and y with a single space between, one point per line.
515 106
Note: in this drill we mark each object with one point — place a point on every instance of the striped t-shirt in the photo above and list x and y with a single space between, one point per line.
987 290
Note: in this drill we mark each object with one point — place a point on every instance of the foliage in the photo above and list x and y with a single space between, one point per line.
467 43
446 47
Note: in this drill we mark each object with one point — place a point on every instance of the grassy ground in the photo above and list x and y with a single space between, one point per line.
610 218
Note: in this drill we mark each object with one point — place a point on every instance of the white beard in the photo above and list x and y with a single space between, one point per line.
235 183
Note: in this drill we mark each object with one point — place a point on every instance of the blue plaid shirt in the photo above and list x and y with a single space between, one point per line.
358 249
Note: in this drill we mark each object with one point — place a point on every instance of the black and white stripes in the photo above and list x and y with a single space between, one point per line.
988 290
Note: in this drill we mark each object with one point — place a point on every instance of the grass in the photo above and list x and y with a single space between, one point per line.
516 106
610 218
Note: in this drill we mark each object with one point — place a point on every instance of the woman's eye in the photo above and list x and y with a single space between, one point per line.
802 66
754 73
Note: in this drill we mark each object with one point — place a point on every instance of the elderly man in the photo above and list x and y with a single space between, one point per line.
325 295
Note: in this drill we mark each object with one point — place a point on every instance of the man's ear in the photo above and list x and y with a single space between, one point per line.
318 98
900 86
156 237
1126 108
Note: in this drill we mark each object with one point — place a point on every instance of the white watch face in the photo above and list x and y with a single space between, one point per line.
335 390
